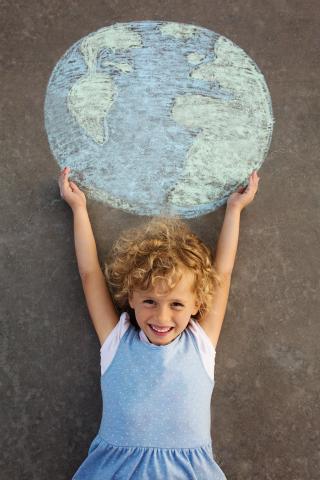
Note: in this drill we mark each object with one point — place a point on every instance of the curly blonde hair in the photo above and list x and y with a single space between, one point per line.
154 252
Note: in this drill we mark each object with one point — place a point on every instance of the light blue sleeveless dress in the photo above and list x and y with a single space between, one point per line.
156 415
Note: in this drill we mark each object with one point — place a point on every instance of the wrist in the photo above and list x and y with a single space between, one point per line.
79 208
234 208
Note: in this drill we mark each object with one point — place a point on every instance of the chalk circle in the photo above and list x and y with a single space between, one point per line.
158 118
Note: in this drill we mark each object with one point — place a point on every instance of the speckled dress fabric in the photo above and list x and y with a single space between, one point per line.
156 415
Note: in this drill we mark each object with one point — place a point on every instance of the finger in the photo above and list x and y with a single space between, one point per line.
65 179
253 180
61 177
65 172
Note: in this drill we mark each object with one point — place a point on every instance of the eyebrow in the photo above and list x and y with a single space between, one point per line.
170 299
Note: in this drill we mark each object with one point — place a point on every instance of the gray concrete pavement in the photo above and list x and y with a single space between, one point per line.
265 407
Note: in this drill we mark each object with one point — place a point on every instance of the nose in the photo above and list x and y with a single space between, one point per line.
162 315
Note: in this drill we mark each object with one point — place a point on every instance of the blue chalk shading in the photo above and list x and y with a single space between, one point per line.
144 156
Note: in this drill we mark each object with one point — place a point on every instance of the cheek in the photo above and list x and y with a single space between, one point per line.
184 317
142 312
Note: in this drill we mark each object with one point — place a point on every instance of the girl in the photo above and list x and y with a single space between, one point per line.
157 359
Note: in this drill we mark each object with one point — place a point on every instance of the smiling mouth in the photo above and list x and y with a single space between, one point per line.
160 331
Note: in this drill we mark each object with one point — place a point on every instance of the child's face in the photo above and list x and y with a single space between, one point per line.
172 309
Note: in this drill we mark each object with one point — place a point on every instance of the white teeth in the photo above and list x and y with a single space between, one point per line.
162 330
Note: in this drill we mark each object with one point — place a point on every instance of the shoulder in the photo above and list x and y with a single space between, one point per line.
201 337
119 330
206 349
111 344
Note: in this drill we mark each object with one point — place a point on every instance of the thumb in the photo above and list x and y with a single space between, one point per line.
75 188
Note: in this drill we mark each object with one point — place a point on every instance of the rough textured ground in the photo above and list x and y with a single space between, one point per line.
266 397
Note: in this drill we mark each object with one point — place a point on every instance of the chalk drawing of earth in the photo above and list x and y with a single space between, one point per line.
158 118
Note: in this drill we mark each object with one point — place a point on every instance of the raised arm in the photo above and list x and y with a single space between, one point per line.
225 256
84 242
228 241
100 305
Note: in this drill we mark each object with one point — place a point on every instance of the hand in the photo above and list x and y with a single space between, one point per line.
69 191
244 195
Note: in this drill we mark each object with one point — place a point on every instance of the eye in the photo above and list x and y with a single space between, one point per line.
148 301
177 304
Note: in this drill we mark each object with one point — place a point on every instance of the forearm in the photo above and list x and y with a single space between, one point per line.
85 245
228 241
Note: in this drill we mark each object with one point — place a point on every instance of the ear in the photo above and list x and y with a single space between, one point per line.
196 307
130 301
